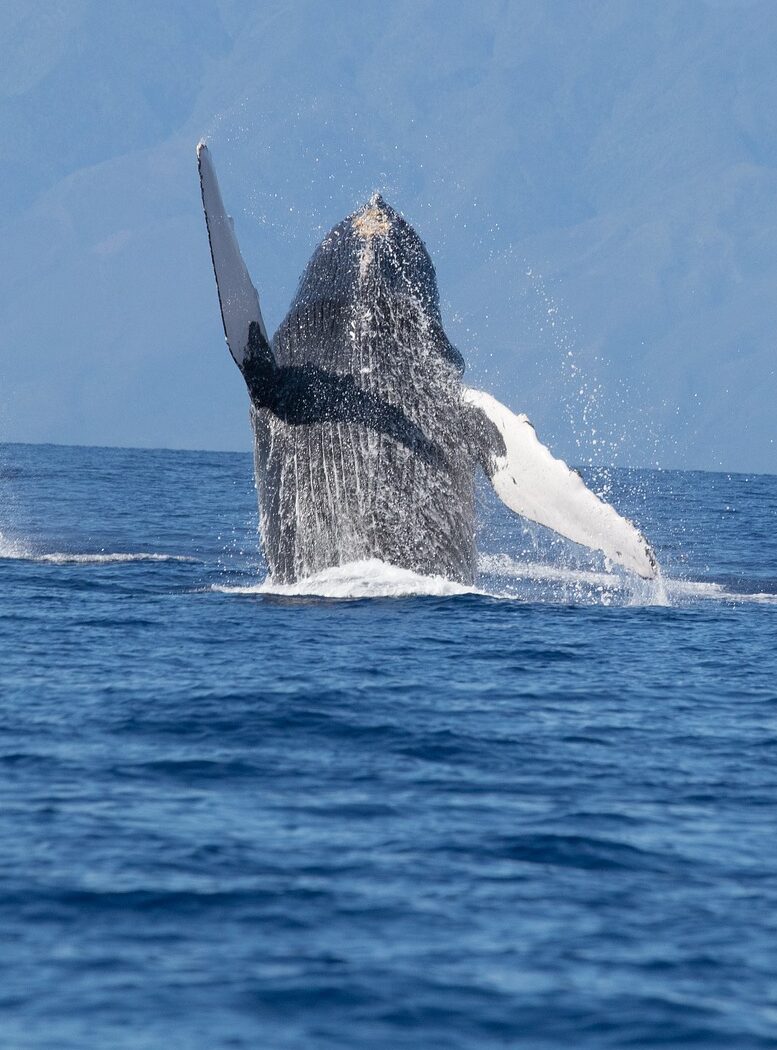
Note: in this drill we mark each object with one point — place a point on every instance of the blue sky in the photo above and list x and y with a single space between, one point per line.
596 182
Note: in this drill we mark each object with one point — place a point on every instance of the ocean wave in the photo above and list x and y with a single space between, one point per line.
17 550
104 558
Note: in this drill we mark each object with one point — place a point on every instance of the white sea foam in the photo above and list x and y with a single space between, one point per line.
106 558
17 549
371 578
505 565
501 577
533 580
509 577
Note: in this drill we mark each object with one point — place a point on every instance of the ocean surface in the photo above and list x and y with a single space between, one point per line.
375 810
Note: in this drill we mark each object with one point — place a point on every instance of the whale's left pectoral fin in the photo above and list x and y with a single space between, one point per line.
237 296
536 485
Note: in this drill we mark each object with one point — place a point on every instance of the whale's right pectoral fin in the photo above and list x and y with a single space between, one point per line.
237 296
536 485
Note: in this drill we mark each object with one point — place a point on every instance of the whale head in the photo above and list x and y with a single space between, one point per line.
375 261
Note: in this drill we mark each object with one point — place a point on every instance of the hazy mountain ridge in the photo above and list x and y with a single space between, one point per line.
624 152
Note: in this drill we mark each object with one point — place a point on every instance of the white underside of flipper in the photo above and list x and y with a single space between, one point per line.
533 483
237 296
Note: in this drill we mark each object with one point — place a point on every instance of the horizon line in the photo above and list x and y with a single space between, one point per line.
248 452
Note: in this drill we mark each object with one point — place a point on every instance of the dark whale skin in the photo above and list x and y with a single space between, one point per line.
363 447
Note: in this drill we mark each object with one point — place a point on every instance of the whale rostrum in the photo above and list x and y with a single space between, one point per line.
366 441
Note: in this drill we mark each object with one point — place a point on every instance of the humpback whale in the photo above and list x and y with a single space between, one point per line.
366 440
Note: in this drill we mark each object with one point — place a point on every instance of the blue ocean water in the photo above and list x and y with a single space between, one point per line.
539 814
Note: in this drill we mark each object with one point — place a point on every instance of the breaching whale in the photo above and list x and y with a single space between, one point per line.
366 441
